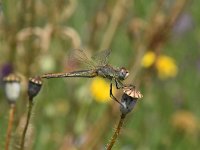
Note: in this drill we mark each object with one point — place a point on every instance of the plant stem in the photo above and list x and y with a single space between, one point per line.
27 123
116 133
10 124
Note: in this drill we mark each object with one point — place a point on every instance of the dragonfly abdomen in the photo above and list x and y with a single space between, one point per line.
83 73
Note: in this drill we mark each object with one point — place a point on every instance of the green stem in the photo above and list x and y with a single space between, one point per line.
116 133
27 123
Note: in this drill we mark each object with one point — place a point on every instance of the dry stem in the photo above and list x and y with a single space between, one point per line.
116 133
26 125
10 124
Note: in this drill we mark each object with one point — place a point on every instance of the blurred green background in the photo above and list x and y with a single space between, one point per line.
37 37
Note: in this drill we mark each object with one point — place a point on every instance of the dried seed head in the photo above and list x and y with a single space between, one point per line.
128 104
132 92
12 87
129 99
34 87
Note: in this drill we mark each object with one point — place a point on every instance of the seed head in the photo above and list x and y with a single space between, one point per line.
12 87
128 104
129 99
34 87
132 92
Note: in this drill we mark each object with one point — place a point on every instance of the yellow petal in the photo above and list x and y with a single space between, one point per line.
100 90
148 59
166 67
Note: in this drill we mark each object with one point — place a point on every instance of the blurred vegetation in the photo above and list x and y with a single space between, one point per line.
37 37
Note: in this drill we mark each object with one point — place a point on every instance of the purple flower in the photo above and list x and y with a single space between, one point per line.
5 70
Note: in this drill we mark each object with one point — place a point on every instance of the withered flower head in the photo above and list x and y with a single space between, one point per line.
132 92
129 99
34 87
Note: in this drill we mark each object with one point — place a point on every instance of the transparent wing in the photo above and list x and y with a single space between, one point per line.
101 58
80 56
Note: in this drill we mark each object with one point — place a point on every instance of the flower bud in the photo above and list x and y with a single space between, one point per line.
34 87
12 87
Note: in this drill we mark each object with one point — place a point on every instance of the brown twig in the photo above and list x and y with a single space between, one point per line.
116 133
10 124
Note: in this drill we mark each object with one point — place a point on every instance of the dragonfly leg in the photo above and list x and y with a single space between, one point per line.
118 84
113 97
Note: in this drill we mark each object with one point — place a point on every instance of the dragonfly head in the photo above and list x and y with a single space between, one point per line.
123 73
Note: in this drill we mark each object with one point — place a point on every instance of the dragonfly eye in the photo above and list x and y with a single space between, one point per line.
123 73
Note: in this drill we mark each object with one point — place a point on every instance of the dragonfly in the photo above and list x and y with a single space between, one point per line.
98 67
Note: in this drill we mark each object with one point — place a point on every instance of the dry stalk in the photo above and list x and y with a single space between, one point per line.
117 15
26 125
116 133
10 124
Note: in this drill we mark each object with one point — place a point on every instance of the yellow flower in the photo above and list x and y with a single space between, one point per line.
148 59
185 122
100 90
166 67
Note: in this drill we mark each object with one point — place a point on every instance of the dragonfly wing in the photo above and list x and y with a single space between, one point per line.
101 58
79 55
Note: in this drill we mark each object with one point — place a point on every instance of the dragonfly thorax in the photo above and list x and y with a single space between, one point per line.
110 73
106 72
